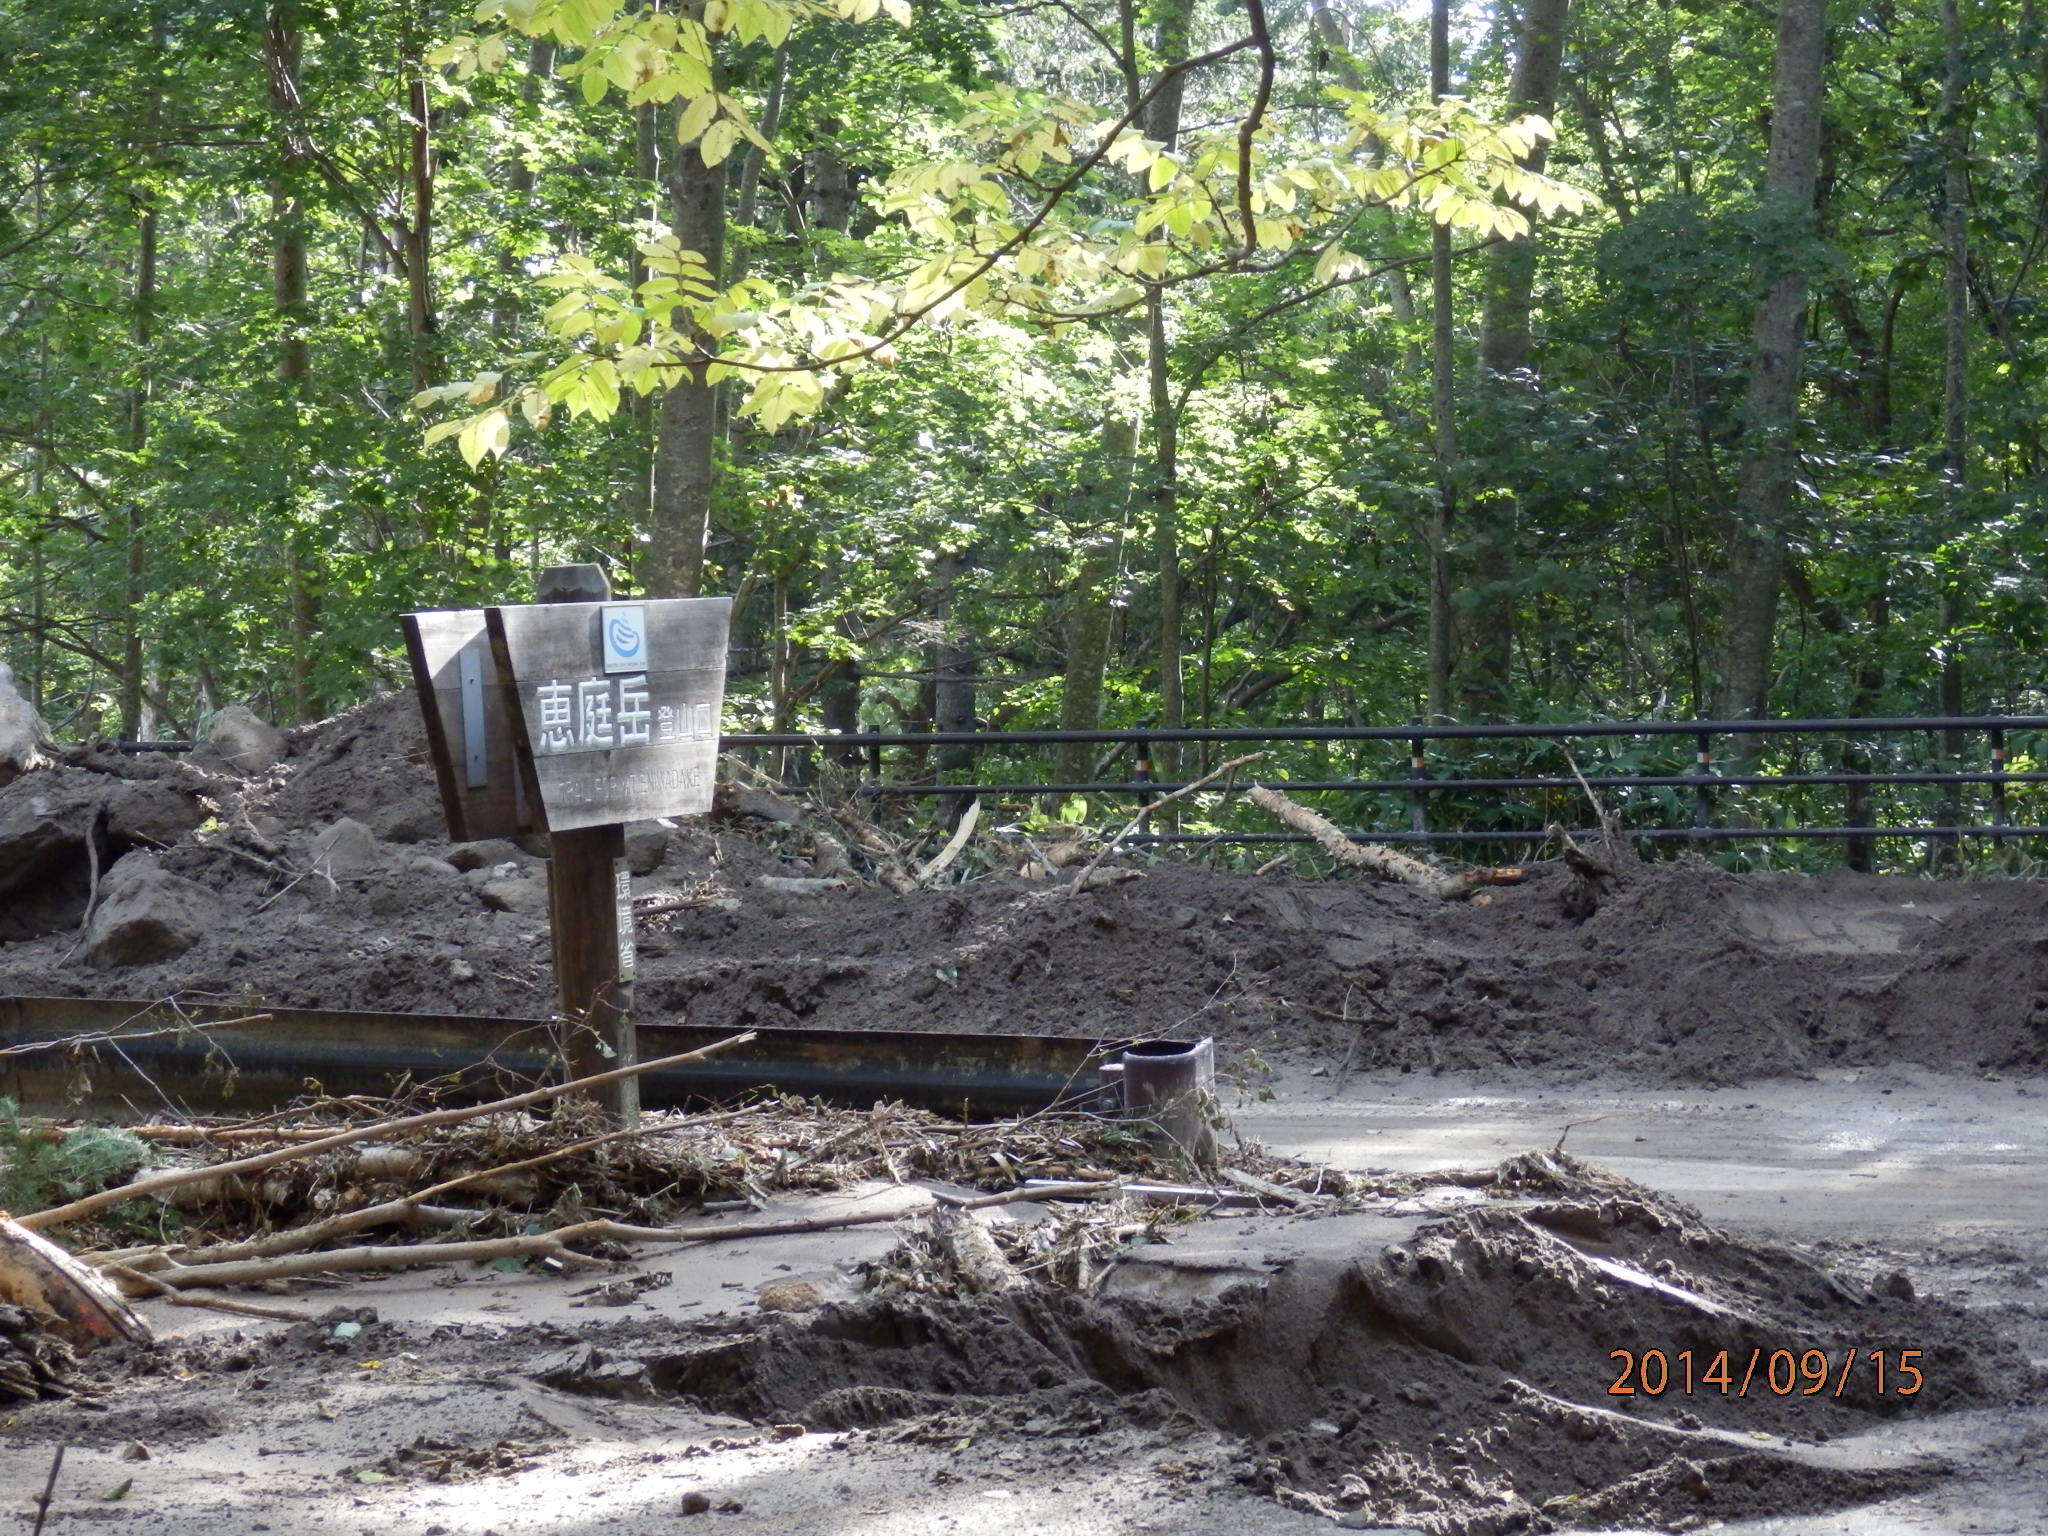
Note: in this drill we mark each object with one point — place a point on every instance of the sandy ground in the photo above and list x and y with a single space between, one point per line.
1945 1175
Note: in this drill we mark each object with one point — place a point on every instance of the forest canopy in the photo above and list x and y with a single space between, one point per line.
1054 363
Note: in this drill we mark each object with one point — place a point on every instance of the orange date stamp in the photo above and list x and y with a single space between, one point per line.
1760 1372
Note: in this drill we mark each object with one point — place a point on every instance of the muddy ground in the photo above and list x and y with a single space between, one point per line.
1437 1365
1438 1362
1678 972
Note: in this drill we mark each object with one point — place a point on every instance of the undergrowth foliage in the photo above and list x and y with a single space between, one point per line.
40 1167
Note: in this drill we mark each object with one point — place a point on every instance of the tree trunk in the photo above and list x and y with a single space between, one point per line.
1443 407
1486 603
283 43
1955 391
953 665
416 234
135 565
679 518
1089 606
636 500
1756 558
1162 122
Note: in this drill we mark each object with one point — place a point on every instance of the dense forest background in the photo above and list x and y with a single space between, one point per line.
1758 431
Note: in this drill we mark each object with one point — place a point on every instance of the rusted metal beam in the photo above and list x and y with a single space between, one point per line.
253 1066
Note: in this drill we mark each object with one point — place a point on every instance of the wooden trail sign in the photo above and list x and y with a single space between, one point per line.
616 705
576 716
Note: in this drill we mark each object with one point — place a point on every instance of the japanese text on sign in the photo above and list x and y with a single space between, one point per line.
596 713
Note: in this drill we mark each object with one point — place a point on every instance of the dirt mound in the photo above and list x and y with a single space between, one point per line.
1454 1377
1676 972
1683 973
370 764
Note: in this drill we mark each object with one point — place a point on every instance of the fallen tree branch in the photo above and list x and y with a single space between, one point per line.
547 1245
1144 812
555 1244
117 1037
975 1258
88 1205
749 792
126 1277
401 1212
1377 857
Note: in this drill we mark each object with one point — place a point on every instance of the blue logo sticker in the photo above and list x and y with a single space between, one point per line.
624 633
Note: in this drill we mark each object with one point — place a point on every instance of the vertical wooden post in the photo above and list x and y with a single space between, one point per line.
590 914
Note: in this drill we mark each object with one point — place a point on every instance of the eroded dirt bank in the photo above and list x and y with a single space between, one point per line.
326 880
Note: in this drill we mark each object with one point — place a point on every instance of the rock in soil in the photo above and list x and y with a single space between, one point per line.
147 914
245 742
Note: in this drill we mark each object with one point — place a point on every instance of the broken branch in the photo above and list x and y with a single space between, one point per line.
1144 812
1377 857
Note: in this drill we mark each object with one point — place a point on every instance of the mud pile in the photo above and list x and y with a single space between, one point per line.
1450 1375
327 881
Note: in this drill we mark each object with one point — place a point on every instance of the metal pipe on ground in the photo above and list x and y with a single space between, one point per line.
1170 1086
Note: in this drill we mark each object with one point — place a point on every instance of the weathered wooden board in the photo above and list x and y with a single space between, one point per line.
616 705
468 730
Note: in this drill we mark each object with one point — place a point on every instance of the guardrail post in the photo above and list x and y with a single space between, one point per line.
1418 768
1703 796
1998 761
1948 847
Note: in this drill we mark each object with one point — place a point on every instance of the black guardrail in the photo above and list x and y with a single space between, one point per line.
862 755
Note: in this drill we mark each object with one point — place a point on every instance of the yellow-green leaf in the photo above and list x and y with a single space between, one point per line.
485 436
695 118
719 139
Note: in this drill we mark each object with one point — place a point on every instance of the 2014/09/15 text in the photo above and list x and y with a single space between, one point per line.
1779 1372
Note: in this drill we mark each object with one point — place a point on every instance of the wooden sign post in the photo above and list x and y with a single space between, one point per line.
609 714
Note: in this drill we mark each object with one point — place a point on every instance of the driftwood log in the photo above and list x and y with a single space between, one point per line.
1378 858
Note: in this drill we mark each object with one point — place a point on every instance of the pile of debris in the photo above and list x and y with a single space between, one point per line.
34 1362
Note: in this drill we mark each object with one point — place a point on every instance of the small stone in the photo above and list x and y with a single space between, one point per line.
482 855
347 848
790 1296
786 1431
517 894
